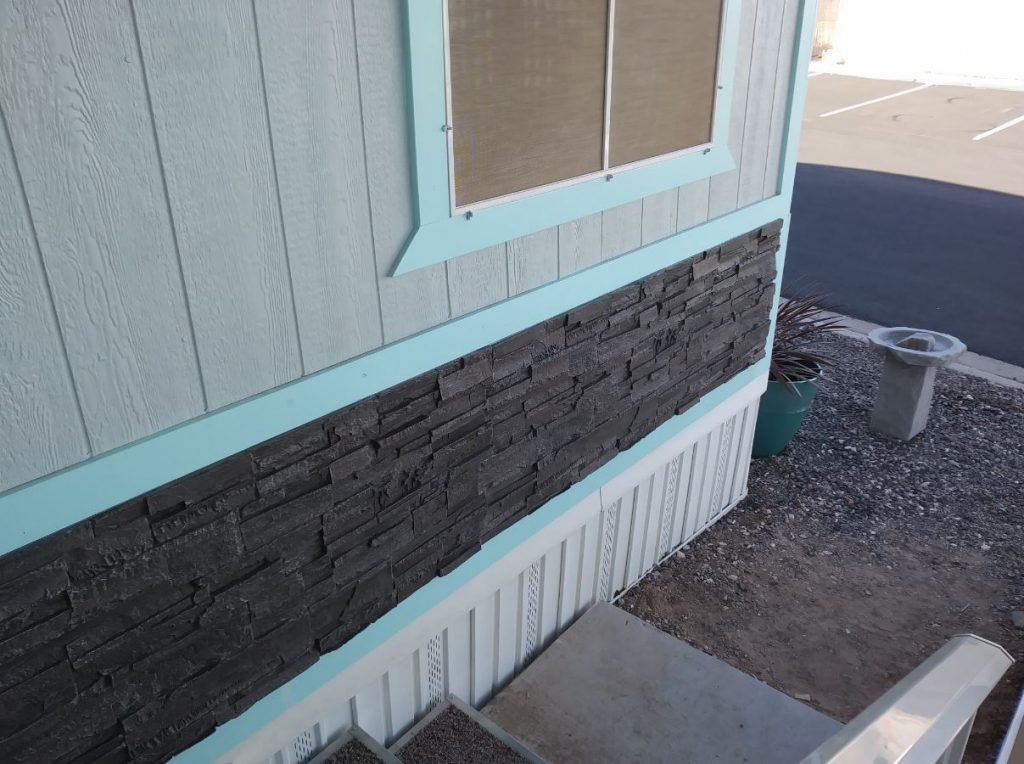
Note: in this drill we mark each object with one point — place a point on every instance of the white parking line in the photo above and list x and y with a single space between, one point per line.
1000 128
815 74
874 100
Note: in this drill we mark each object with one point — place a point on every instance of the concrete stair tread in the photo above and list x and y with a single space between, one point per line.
613 688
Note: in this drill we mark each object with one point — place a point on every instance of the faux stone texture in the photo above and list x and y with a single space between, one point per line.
133 634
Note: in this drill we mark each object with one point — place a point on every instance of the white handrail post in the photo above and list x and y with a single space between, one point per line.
927 717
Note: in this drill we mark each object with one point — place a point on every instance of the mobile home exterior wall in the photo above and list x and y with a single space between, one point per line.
201 201
199 204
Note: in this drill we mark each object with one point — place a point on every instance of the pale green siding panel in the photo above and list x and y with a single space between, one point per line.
477 279
309 62
204 74
725 187
760 100
579 244
693 204
780 103
218 215
41 426
659 215
532 260
418 300
620 229
72 90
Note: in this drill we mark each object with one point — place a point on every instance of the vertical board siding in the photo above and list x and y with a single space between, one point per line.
579 244
506 627
532 261
42 425
482 624
219 190
760 101
370 709
401 695
477 280
659 216
309 63
620 229
417 300
725 187
480 643
693 204
457 649
72 90
204 74
780 103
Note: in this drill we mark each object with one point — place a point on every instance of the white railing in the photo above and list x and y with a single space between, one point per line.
927 717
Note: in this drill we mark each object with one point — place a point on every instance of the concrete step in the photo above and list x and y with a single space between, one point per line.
614 689
456 733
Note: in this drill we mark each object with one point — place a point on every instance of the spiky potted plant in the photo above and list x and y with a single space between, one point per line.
795 369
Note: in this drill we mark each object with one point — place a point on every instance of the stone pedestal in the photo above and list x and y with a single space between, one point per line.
904 399
912 357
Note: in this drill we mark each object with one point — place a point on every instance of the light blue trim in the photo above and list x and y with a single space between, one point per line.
791 147
273 705
439 235
797 96
44 506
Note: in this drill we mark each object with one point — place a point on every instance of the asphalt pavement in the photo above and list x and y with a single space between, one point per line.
903 216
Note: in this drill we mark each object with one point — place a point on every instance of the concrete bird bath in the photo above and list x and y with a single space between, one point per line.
912 357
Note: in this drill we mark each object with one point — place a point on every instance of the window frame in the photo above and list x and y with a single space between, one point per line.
443 231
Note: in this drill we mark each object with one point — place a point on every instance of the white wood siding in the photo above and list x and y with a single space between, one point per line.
207 196
476 640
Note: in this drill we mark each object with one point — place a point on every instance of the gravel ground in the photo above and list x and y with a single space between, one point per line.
354 752
454 738
854 556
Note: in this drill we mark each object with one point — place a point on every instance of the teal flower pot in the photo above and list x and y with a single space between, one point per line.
781 412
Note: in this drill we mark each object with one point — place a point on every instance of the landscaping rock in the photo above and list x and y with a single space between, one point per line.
905 522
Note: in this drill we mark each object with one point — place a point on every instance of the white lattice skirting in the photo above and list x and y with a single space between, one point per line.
477 639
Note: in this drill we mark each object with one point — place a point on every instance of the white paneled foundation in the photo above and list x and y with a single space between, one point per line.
477 639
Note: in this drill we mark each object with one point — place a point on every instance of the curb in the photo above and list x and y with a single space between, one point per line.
990 369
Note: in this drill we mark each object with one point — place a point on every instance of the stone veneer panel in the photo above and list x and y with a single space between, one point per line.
131 635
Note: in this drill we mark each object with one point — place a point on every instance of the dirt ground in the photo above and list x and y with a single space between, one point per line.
854 557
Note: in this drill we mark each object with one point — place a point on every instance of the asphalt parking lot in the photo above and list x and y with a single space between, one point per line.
926 131
909 207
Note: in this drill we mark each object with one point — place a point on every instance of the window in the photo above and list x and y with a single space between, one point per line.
525 114
542 92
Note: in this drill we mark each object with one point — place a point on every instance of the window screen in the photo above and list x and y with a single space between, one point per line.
527 93
530 99
663 76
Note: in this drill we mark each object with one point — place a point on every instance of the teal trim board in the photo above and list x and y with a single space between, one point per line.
797 99
56 501
440 234
280 700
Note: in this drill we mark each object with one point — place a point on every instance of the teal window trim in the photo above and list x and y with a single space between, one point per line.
441 234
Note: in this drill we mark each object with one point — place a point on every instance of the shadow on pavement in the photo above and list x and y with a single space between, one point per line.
906 251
